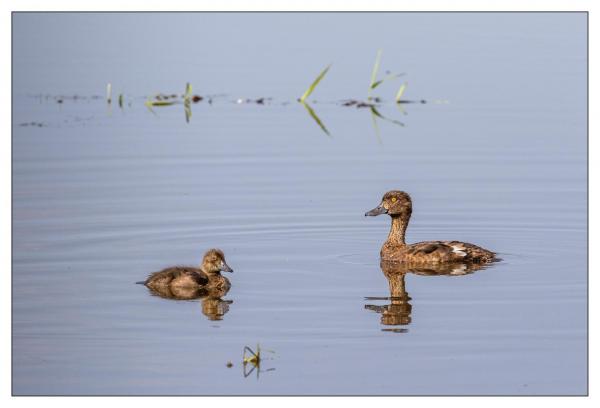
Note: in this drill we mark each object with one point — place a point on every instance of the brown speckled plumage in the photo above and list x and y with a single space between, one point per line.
398 205
187 281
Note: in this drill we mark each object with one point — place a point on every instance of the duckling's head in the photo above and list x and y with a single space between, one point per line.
214 262
394 203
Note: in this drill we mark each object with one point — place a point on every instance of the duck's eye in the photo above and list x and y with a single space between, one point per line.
394 199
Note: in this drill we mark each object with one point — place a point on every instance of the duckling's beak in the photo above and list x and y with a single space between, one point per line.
380 209
225 268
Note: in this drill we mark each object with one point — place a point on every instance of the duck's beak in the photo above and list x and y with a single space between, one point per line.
380 209
225 268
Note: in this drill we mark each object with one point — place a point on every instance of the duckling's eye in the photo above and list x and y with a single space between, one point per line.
394 199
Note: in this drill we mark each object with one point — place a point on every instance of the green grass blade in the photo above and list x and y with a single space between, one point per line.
401 108
148 104
374 73
392 76
375 112
313 115
108 93
188 91
160 103
374 115
312 86
400 92
376 84
188 111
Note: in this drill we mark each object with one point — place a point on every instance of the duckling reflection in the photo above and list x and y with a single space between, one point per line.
211 299
398 311
214 307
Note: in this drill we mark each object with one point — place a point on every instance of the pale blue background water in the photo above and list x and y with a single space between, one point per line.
102 197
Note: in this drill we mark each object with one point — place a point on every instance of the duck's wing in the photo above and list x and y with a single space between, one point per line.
449 251
473 253
435 251
167 275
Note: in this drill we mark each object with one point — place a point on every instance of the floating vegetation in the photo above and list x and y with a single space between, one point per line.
253 360
150 102
161 100
401 108
372 102
187 110
391 76
312 86
313 115
187 98
252 357
109 93
375 112
63 98
163 97
69 120
188 92
374 73
360 104
400 92
172 99
34 124
259 101
376 82
374 115
375 126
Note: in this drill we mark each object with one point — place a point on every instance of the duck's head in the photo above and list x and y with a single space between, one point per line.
214 262
394 203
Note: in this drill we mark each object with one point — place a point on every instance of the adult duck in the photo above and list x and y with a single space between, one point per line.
398 205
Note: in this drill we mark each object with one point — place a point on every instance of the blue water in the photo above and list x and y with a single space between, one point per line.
103 196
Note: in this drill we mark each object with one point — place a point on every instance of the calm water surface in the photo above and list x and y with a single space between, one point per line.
104 196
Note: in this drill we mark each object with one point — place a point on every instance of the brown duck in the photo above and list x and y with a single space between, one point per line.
185 281
398 205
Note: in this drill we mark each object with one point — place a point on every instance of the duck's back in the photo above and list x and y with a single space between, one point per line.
437 252
177 276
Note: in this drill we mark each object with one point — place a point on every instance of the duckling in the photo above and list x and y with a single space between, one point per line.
183 279
398 205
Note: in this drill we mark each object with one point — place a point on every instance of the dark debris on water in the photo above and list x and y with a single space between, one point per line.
357 103
34 124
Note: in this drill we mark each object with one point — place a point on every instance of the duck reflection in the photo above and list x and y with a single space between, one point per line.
398 311
211 299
